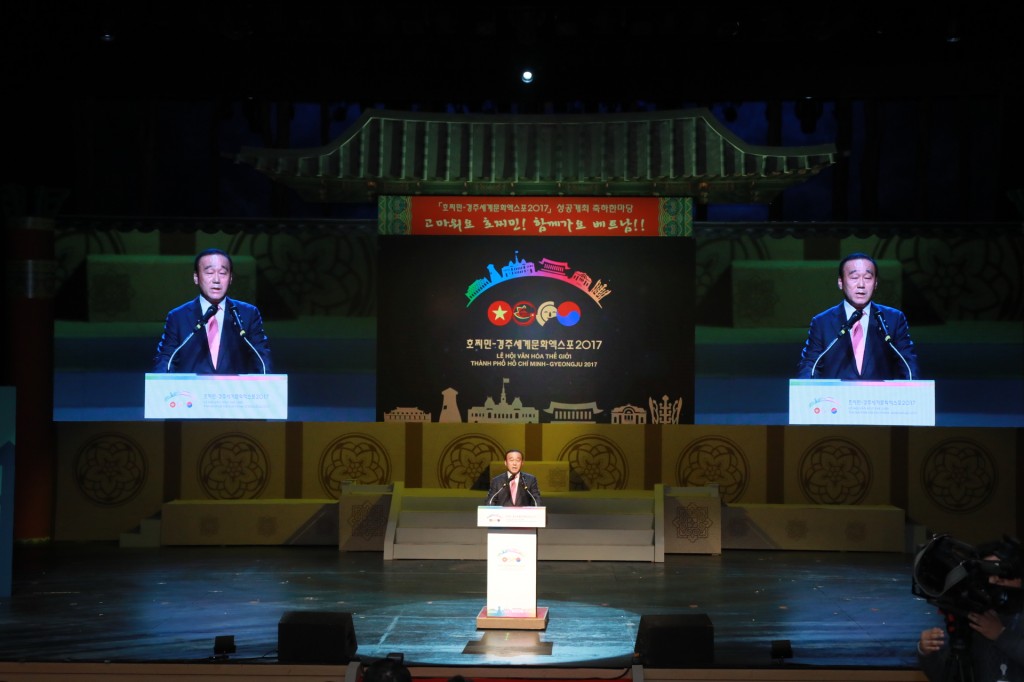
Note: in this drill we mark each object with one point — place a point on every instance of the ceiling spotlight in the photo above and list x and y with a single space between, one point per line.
527 76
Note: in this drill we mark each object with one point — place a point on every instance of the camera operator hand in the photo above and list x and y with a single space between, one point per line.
987 623
984 634
931 641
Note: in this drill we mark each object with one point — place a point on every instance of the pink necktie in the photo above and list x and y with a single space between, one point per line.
857 336
512 488
214 338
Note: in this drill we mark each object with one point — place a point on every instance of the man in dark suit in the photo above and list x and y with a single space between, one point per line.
878 334
514 487
213 334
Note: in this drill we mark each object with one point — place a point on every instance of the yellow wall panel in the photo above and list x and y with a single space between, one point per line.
827 465
365 453
459 455
232 460
110 476
963 481
734 457
600 456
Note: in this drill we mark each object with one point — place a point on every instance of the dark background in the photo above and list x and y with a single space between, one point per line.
137 108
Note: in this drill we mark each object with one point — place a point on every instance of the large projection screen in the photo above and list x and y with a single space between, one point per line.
535 329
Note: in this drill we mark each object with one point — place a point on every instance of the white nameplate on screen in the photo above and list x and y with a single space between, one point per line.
869 403
216 396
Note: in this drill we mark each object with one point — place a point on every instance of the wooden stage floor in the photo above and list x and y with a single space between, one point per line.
100 603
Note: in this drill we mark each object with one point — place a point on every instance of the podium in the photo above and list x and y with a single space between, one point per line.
216 396
512 568
870 403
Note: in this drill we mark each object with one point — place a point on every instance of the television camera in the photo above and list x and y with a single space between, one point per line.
961 579
954 575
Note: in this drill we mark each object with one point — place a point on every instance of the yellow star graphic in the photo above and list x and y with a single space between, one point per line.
499 313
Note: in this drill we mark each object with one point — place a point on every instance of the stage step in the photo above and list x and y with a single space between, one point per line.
581 526
603 552
250 522
440 551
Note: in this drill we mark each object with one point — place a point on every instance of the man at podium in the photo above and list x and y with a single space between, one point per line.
514 487
858 339
213 334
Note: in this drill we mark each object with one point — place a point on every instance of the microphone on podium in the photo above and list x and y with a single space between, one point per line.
888 340
210 312
503 486
854 318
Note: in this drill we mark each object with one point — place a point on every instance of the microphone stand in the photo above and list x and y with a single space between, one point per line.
210 312
182 345
854 318
888 339
241 334
503 486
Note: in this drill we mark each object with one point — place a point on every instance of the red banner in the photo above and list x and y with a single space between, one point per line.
536 216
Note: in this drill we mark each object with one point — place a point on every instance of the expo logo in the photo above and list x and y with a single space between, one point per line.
524 313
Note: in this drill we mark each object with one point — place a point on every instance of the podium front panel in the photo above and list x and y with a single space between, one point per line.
216 396
511 517
512 573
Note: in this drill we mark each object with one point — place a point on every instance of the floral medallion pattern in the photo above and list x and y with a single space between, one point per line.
353 458
110 469
233 466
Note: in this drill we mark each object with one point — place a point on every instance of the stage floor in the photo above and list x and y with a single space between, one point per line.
97 602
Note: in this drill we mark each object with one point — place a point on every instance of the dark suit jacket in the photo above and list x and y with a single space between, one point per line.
881 362
193 352
499 495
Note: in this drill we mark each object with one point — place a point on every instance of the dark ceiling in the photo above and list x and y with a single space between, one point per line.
400 55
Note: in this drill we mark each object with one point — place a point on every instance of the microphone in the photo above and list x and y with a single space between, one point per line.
238 321
210 312
854 318
888 339
527 489
503 486
881 326
241 333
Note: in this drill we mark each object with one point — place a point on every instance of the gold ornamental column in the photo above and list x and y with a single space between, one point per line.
31 268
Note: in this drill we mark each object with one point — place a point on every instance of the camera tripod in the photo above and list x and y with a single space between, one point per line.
959 665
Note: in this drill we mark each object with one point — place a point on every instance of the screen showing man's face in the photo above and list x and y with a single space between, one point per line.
514 462
214 277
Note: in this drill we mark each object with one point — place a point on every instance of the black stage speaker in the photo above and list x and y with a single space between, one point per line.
675 641
325 637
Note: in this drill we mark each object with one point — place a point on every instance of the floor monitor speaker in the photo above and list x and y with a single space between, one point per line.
325 637
675 641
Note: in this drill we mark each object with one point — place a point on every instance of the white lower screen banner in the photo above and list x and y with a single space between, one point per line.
873 403
216 396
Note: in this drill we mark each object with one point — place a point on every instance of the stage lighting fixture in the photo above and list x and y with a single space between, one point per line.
527 76
781 649
223 645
